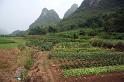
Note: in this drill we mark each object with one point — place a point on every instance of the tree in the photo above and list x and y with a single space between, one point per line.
114 22
37 31
94 22
52 29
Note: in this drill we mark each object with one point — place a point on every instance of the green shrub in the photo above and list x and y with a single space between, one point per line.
81 32
91 32
46 46
118 44
42 45
111 35
23 75
21 47
97 42
28 64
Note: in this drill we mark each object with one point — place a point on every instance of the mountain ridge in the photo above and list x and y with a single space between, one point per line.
46 17
18 33
101 4
71 10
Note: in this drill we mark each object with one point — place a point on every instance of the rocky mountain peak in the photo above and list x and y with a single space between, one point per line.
44 11
47 17
73 8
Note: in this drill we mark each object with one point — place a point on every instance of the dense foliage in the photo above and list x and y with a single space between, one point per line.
37 31
108 43
114 22
40 44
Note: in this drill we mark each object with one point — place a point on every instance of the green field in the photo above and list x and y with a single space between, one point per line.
11 42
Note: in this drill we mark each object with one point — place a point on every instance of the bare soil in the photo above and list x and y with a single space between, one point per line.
42 69
7 64
108 77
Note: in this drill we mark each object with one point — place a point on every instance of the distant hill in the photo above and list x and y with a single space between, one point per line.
18 33
47 17
73 8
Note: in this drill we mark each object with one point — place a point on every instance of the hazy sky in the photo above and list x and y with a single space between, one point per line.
19 14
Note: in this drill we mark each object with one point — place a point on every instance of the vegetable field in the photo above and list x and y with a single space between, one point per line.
76 55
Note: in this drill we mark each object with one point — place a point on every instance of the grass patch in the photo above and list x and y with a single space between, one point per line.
29 63
6 41
11 42
25 58
90 71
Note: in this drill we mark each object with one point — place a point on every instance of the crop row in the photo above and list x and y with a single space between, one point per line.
40 44
90 71
88 59
77 50
73 45
86 55
47 43
58 39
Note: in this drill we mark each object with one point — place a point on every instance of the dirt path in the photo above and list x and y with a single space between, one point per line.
41 72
